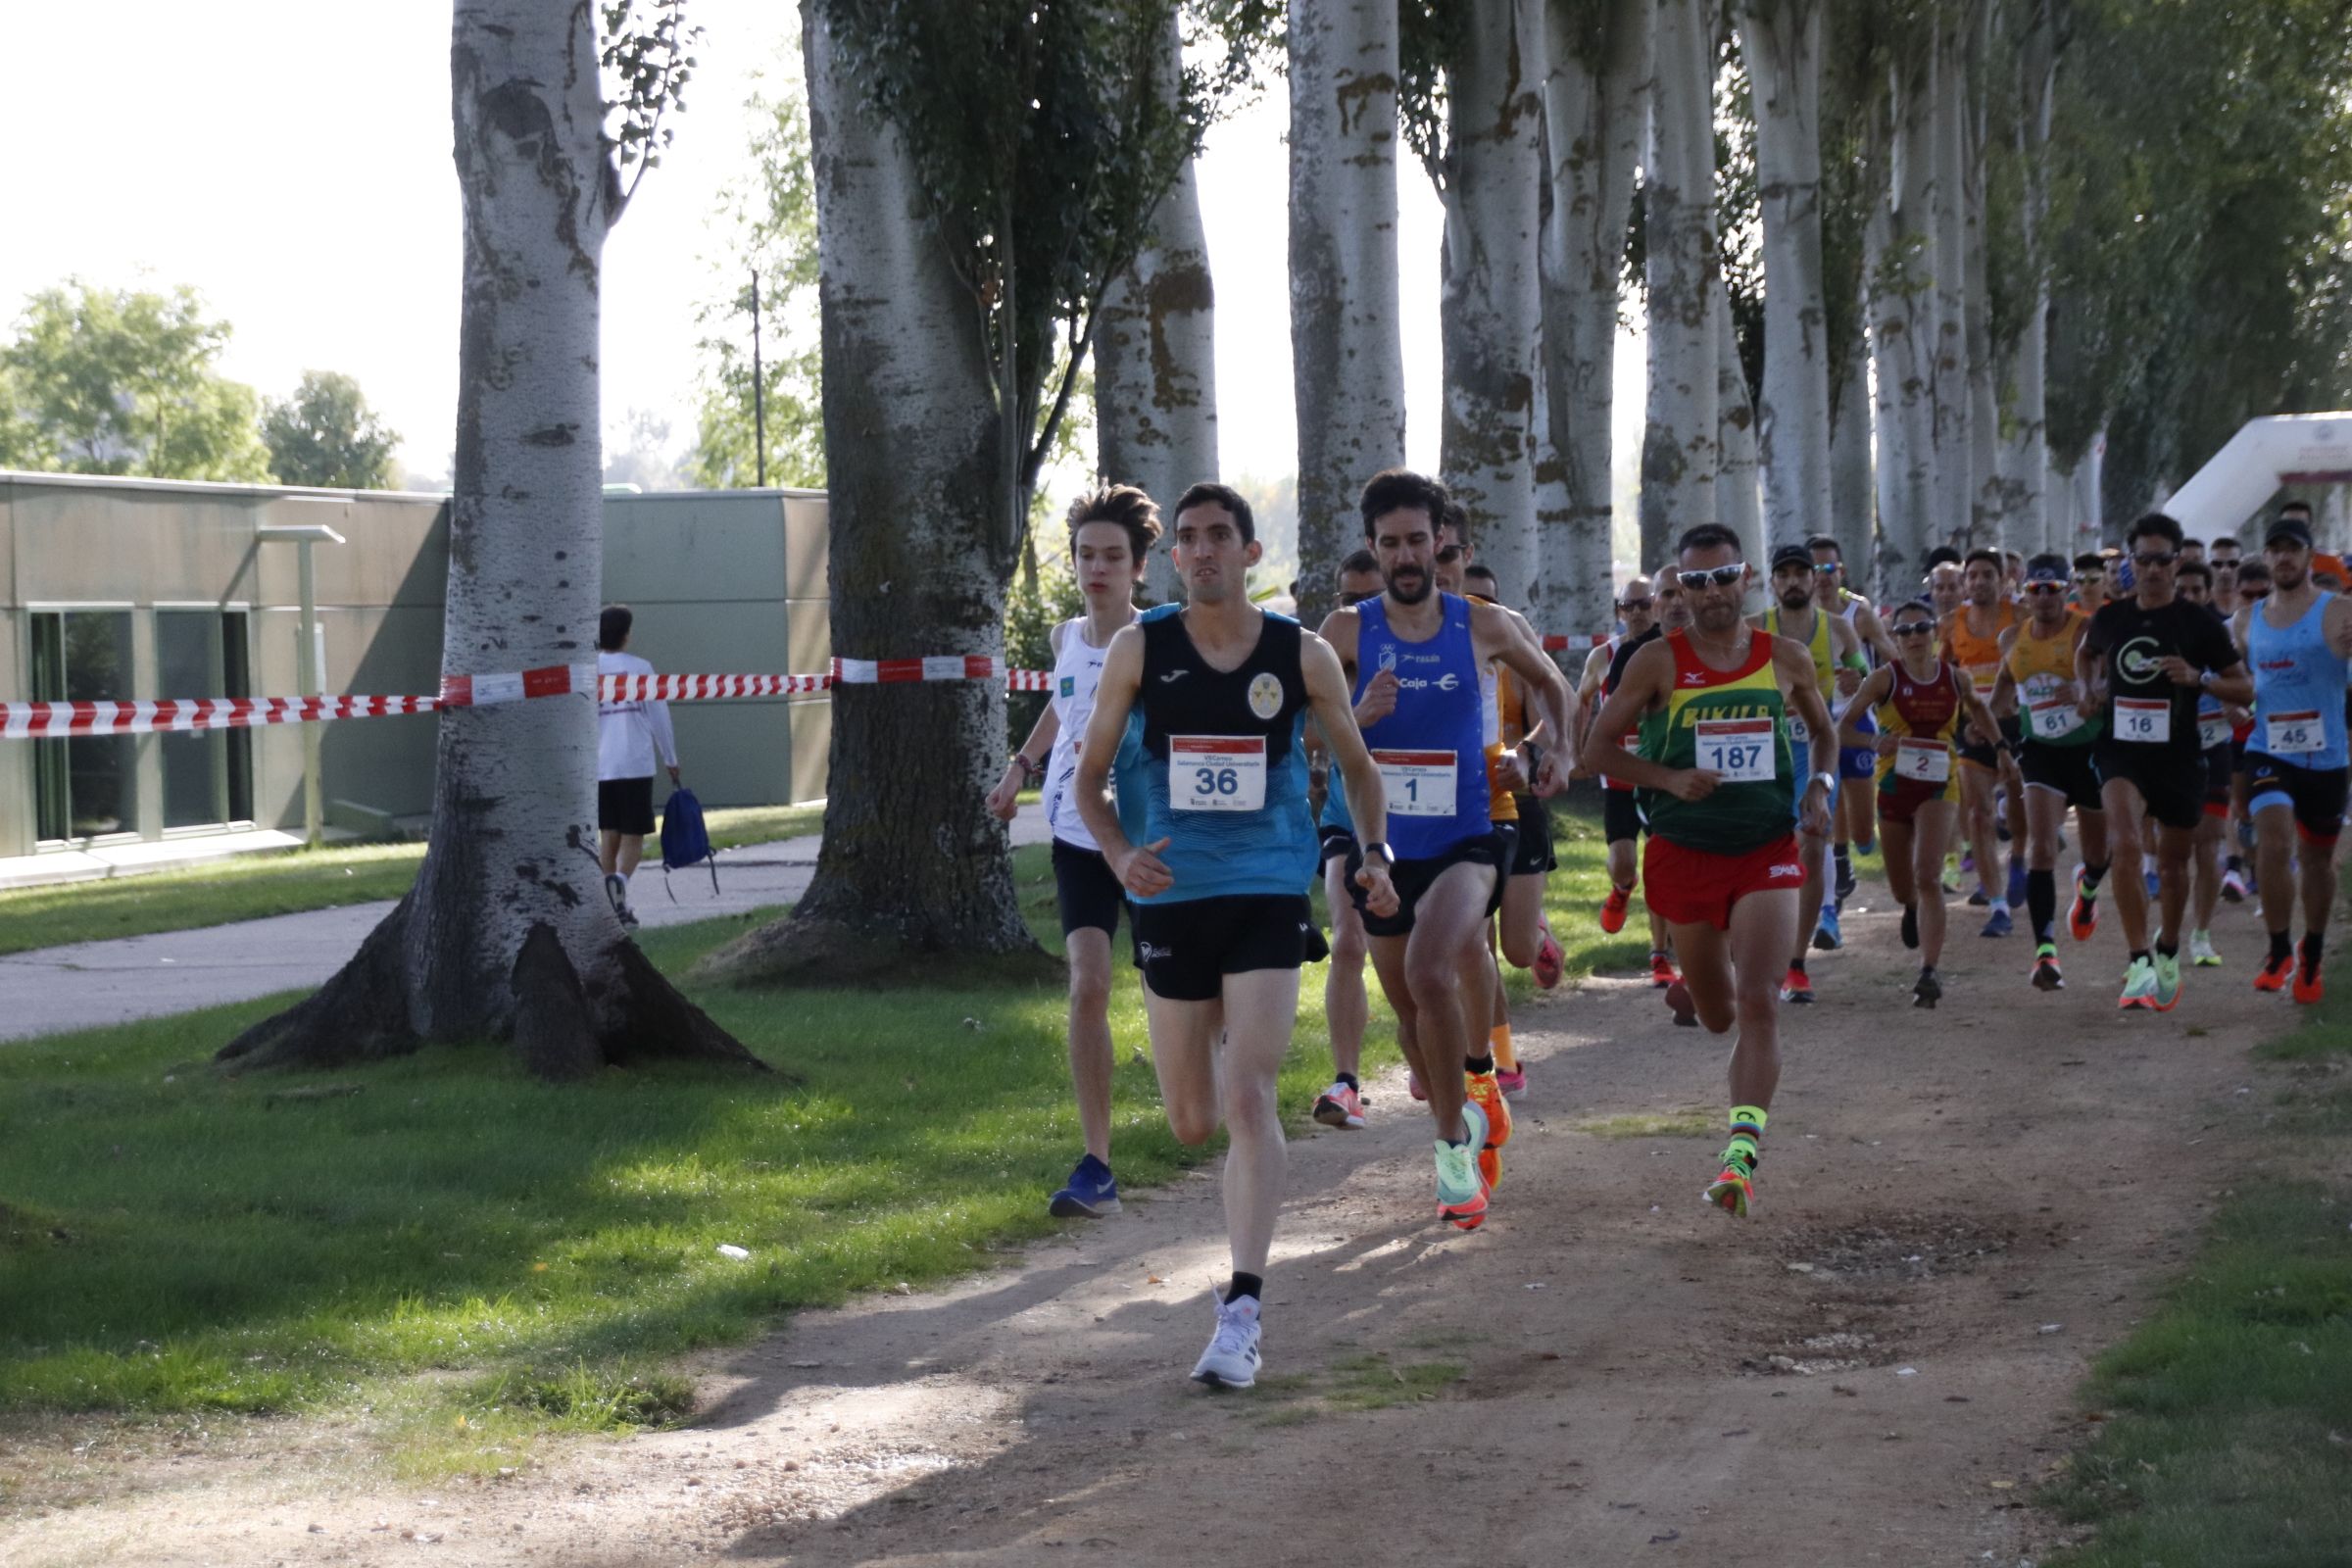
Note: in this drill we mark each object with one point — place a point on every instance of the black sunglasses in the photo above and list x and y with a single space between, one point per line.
1915 628
2154 557
2045 587
1720 576
1642 603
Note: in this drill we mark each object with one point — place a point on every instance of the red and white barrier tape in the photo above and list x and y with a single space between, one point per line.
27 720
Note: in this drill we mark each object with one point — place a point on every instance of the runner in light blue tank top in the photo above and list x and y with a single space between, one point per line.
1431 748
2298 691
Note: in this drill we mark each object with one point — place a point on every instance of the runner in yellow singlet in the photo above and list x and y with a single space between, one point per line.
1970 636
1836 652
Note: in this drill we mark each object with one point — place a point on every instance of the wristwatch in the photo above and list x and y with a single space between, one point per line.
1828 781
1386 855
1029 769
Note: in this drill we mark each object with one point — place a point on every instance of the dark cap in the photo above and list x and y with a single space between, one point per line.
2295 528
1792 556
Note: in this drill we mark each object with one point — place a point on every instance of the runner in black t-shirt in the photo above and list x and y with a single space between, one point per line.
2143 662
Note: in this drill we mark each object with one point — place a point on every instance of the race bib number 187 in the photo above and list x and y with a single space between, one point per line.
1217 772
1743 750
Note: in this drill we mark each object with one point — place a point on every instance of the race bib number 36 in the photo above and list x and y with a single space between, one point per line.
2145 720
2288 733
1743 750
1217 772
1417 783
1929 762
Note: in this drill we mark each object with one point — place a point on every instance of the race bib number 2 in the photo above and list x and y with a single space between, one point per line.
1417 783
1743 750
2144 720
1217 772
1929 762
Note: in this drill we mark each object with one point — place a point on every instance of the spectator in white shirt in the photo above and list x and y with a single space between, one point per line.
630 735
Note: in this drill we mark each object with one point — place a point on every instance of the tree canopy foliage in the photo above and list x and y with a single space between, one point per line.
325 434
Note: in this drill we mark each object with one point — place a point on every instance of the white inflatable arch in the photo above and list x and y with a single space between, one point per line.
2268 455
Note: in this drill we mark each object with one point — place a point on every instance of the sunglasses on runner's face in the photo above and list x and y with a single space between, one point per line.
1447 555
1720 576
1827 569
2253 595
2045 587
1915 628
1642 603
2154 557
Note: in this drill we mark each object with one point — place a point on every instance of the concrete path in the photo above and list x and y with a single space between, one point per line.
92 984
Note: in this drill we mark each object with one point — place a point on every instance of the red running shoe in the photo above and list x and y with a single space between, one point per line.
2274 973
1612 909
2307 985
1550 960
1661 972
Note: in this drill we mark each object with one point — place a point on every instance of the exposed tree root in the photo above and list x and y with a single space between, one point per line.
361 1014
805 951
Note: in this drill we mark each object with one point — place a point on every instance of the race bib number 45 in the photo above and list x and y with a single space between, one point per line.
1217 772
1743 750
1417 783
2288 733
2146 720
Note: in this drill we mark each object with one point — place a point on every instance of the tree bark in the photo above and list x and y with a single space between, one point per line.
1780 41
913 867
1900 243
1955 487
1596 104
1155 378
513 858
1738 501
1988 504
1853 503
1680 440
1490 306
1347 360
2024 441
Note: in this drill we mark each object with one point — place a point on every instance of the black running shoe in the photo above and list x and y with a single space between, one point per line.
1910 925
1927 990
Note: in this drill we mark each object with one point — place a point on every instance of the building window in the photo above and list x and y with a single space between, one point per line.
208 775
84 786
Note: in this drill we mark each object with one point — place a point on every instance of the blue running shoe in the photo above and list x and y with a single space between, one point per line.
2155 884
1091 1194
2017 884
1999 926
1826 935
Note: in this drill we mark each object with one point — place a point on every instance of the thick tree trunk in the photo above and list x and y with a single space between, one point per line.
1853 503
1156 379
1955 488
1900 245
1596 103
1679 451
2024 441
511 870
1988 506
1346 362
1780 41
1739 498
1487 312
913 867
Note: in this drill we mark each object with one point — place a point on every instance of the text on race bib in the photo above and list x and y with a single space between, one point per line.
2292 732
2213 729
1217 772
2054 719
1798 734
1743 750
1984 677
1929 762
2143 720
1417 783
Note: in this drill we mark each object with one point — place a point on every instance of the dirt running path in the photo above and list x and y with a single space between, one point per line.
1956 1210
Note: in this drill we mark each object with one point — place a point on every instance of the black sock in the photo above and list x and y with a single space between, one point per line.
2167 950
1248 1285
1348 1079
1845 862
2312 941
2282 946
1796 966
2138 953
2042 898
2233 864
1478 1064
2092 875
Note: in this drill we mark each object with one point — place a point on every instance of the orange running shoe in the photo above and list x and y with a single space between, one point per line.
1734 1189
1797 986
2082 916
2307 985
1661 971
1612 909
1486 1093
2274 973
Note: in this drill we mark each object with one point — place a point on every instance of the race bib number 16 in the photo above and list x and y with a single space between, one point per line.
1743 750
1217 772
2143 719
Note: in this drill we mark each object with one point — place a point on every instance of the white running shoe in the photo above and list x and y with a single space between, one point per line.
1231 1360
2200 950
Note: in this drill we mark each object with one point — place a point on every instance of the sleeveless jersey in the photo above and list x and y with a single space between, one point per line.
1978 658
1927 711
1077 672
1432 747
1731 723
1825 670
1221 763
2040 666
1620 649
1501 805
2298 689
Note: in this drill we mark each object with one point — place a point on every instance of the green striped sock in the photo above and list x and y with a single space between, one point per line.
1747 1131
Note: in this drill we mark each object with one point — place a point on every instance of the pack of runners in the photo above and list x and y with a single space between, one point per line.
1202 764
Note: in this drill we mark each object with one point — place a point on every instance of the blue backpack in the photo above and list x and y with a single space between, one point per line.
685 841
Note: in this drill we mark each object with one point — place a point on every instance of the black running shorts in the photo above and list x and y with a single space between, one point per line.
1413 878
1187 948
2064 771
2316 796
2172 784
1085 890
1532 855
625 804
1620 818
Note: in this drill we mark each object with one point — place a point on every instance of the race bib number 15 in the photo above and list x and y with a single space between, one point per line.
1217 772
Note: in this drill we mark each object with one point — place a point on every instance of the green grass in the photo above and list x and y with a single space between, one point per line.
1691 1123
1365 1382
479 1258
251 886
2226 1436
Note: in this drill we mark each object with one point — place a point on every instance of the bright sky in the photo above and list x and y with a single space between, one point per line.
290 160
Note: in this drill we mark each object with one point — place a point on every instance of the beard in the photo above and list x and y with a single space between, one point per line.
1796 596
1409 587
1716 617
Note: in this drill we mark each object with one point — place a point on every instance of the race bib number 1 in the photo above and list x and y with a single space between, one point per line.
1929 762
1743 750
1417 783
2144 720
2289 733
1217 772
